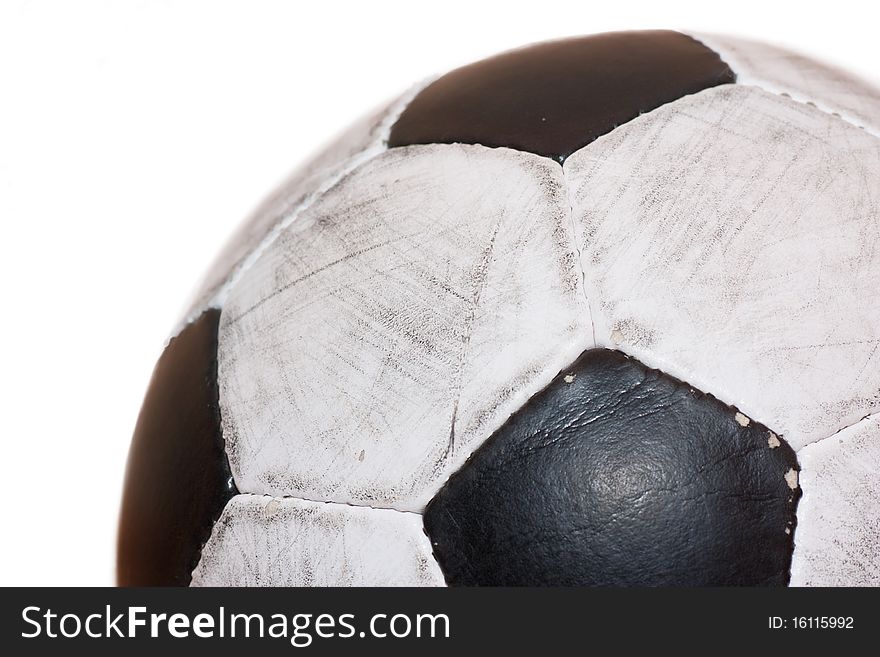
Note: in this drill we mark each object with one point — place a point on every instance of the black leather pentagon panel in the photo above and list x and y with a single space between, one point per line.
618 475
178 479
554 98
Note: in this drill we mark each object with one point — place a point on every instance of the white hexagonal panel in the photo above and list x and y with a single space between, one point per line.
732 239
397 323
267 541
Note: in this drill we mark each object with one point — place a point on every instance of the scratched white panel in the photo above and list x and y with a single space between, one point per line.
732 239
363 140
397 323
837 540
266 541
802 78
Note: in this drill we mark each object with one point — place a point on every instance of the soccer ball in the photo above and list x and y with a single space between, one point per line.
600 311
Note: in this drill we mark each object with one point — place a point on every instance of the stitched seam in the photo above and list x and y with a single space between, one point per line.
755 81
312 500
578 252
870 417
355 162
376 146
800 99
569 210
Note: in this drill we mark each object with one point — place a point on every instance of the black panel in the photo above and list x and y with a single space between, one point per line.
556 97
178 479
617 475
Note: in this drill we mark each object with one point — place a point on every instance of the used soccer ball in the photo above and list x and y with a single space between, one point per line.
600 311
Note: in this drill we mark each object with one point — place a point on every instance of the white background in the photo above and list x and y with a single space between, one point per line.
135 135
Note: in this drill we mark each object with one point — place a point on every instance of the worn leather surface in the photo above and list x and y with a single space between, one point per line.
433 286
617 475
554 98
177 480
